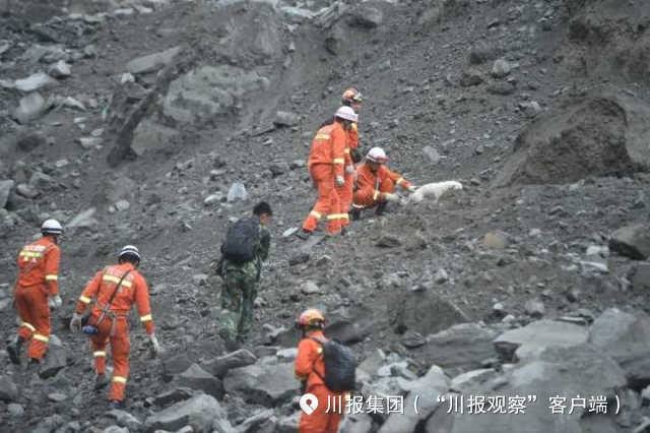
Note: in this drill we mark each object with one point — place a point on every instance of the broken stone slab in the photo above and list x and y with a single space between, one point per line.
174 396
220 366
268 385
60 70
198 379
175 363
469 382
200 412
632 241
90 143
262 422
124 419
527 343
56 359
286 118
640 277
152 62
365 16
30 107
150 136
34 82
5 189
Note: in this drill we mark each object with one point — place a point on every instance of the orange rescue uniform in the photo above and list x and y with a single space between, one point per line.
310 367
345 192
38 275
114 327
326 162
372 187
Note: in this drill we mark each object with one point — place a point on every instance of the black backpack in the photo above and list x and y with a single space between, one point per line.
242 240
340 366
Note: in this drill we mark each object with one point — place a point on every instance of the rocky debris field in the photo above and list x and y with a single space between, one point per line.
517 304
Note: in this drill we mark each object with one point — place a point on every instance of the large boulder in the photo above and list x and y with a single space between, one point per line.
200 412
220 366
527 343
422 399
198 379
570 373
268 385
152 62
209 91
598 136
459 348
422 311
625 337
632 241
150 136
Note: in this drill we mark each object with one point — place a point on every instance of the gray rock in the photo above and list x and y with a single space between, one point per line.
85 219
198 379
356 423
432 154
309 287
90 143
527 343
530 108
8 390
566 372
350 331
26 191
482 52
150 136
471 78
125 419
49 424
42 181
220 366
388 241
5 189
173 396
412 339
267 385
502 88
423 311
60 70
470 382
14 409
34 82
640 278
441 276
30 107
365 16
152 62
200 412
632 241
56 359
535 308
57 397
262 422
427 391
287 354
288 424
30 141
285 118
459 348
501 68
174 364
115 429
209 91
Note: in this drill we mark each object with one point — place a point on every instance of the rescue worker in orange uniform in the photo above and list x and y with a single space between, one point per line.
310 370
37 290
327 167
375 183
115 289
351 98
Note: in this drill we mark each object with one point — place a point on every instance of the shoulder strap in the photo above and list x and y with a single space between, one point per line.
117 288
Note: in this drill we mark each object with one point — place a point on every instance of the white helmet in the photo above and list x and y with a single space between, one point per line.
377 154
51 227
346 113
129 250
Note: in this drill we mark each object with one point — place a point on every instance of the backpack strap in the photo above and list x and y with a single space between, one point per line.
322 342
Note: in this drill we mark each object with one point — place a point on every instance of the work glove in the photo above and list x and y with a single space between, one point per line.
340 181
349 169
75 323
412 188
54 302
391 197
154 346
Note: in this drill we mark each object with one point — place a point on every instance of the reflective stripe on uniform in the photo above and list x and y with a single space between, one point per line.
400 181
84 299
116 280
322 137
337 216
99 354
31 254
28 326
146 318
358 206
376 195
40 337
119 379
347 151
315 214
338 161
51 277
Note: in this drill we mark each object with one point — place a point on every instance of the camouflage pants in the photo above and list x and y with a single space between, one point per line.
237 296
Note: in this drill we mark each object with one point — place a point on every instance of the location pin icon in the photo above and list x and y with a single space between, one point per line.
308 403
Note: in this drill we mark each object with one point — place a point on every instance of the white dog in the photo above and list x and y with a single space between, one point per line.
433 191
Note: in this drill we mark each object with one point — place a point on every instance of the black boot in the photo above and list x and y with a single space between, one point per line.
303 234
100 381
381 208
13 349
355 214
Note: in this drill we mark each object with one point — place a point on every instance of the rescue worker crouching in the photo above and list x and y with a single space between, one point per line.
375 184
115 288
36 291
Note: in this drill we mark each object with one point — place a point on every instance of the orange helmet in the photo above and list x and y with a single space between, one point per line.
352 95
310 317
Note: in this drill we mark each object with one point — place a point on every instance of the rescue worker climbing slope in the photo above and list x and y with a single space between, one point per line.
310 370
326 167
375 183
115 288
351 98
36 291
